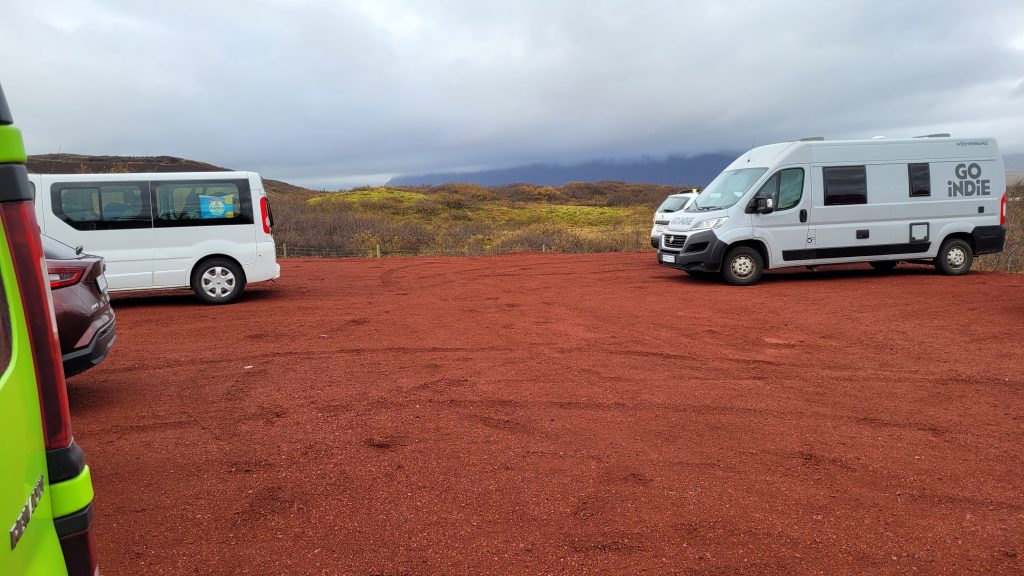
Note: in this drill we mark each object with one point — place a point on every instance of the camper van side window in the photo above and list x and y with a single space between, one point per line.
98 206
920 179
199 203
791 188
845 185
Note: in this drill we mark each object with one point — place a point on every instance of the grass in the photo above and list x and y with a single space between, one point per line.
470 219
464 218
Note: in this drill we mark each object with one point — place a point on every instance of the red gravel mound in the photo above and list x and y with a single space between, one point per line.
553 414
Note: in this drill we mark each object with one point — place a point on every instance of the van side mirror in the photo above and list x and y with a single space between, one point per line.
765 205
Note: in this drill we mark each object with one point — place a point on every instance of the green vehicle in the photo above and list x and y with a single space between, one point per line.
45 487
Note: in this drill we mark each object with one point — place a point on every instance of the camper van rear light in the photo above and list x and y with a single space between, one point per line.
268 220
19 220
1002 211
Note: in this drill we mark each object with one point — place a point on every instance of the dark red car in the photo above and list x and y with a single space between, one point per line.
85 321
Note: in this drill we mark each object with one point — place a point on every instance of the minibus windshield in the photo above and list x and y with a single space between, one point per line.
726 189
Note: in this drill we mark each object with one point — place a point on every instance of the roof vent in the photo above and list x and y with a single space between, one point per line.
939 135
812 139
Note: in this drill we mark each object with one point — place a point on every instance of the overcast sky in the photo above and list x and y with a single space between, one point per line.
345 92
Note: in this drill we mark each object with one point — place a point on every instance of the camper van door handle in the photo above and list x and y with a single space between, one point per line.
803 215
862 234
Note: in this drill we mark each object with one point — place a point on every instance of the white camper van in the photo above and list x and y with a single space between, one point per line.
812 202
674 203
208 231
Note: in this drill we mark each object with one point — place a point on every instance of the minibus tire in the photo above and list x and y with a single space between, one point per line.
955 257
206 274
884 265
742 266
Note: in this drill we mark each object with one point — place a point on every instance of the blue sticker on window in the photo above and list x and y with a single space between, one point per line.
211 207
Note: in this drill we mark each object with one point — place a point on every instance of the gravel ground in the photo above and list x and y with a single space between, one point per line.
557 414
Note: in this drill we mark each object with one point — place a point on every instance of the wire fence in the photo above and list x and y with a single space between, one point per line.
620 240
285 250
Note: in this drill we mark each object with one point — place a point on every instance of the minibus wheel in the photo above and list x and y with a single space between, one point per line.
955 257
742 266
218 281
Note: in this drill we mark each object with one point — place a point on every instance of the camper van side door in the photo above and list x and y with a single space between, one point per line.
784 229
851 213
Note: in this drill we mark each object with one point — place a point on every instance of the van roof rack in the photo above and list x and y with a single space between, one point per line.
938 135
811 139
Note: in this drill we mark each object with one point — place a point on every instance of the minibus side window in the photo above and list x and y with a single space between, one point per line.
845 185
202 203
114 206
920 179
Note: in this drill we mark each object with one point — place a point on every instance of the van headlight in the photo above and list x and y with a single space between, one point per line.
710 223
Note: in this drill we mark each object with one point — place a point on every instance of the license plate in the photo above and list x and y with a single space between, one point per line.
668 258
102 283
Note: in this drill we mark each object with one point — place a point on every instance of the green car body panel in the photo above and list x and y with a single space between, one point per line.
30 506
22 451
12 151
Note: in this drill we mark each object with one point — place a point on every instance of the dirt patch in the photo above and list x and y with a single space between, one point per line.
554 414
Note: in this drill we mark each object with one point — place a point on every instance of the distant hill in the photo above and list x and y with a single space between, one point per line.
671 171
679 171
84 164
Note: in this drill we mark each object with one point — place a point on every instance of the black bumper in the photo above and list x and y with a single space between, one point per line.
81 360
702 252
988 239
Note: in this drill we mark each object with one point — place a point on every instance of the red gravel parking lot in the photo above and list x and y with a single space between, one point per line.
557 414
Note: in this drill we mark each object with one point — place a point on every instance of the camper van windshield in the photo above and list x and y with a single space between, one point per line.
726 189
673 203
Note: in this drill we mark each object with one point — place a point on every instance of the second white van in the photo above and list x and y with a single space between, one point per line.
811 202
672 204
208 231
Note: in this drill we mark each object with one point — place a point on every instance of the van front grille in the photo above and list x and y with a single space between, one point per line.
674 240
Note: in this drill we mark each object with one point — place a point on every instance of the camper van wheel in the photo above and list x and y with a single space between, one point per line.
218 281
743 266
955 257
884 265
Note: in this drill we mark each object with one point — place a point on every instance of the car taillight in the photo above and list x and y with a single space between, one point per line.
80 554
20 225
62 275
268 219
1002 211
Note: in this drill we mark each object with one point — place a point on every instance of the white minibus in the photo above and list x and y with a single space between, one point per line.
208 231
811 202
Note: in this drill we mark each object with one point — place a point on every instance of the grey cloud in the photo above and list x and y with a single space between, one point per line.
345 92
